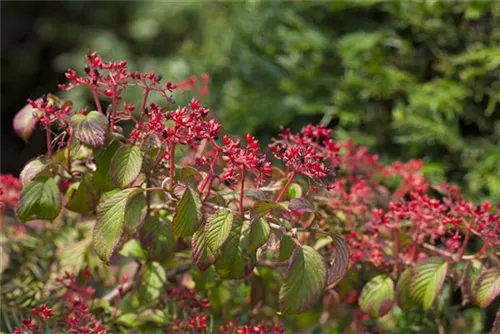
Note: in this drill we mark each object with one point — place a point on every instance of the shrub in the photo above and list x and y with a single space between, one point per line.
153 220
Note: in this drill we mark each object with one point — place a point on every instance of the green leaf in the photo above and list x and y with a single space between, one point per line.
153 278
262 208
293 191
338 266
473 270
126 165
110 222
156 237
90 129
133 249
259 234
377 296
403 290
218 229
101 179
202 255
286 248
426 281
136 213
304 282
82 197
487 287
40 199
189 175
33 169
235 261
187 217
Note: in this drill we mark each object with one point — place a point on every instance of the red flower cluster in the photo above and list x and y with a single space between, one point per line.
10 187
190 84
234 327
247 159
304 153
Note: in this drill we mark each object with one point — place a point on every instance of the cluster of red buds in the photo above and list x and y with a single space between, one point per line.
306 152
10 187
191 84
239 159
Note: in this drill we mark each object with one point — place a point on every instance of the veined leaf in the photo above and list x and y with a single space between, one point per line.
153 278
377 296
304 282
340 263
218 229
262 208
202 255
426 281
235 261
133 249
126 165
31 170
487 287
301 205
110 222
286 248
259 234
101 179
40 199
90 129
187 217
82 197
403 290
156 237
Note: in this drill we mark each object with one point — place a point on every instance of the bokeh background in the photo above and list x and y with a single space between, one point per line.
407 79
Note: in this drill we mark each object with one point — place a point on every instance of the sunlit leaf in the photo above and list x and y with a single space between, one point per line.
377 296
403 290
338 266
259 234
202 255
304 282
153 279
25 121
426 281
82 197
487 287
32 169
218 229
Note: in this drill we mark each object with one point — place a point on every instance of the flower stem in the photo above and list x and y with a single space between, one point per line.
47 141
68 157
144 103
242 189
287 185
464 245
172 167
96 99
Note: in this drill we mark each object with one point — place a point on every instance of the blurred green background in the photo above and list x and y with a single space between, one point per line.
408 79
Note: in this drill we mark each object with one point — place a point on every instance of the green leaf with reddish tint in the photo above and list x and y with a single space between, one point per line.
293 191
90 129
286 248
109 227
156 237
153 280
102 179
377 296
403 290
301 205
25 121
40 199
426 281
202 255
473 270
218 228
487 287
187 217
235 261
304 282
259 234
82 197
33 169
126 165
338 266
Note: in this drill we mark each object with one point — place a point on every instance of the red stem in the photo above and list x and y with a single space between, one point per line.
482 250
47 141
242 189
288 183
172 167
96 99
144 103
209 187
464 245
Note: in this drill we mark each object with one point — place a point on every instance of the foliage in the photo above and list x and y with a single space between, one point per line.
171 217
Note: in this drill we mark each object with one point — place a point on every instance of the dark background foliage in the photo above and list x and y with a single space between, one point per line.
407 79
